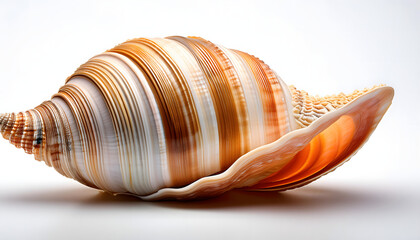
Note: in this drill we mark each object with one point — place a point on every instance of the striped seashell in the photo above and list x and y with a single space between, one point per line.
183 118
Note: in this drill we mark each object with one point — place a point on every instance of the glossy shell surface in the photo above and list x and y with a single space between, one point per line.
184 118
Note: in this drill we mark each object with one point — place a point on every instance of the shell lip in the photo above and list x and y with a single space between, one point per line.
206 186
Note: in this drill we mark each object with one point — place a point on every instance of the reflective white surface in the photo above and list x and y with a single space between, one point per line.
323 47
319 211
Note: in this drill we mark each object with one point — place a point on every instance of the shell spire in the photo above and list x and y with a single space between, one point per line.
39 131
22 130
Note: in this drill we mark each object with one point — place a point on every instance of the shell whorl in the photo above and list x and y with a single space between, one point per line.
42 132
154 113
23 130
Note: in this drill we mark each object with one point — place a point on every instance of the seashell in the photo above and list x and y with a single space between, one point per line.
183 118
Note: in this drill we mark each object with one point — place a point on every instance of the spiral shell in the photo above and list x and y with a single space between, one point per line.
184 118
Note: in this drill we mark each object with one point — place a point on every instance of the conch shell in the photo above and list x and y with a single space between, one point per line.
183 118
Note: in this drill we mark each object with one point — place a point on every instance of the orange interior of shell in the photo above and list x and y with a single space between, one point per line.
299 157
325 151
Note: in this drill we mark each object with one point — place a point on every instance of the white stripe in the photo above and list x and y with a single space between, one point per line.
110 170
149 168
252 98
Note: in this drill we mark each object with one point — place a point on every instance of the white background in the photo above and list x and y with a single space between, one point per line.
323 47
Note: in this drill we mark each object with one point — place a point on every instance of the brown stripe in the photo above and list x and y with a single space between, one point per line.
17 131
265 88
180 128
29 134
222 98
232 83
8 126
189 161
51 136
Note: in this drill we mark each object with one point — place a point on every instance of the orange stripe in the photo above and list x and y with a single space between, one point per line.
265 90
222 98
179 129
239 110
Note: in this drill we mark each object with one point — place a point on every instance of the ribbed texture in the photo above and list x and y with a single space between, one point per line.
307 108
25 130
42 132
205 106
184 118
4 118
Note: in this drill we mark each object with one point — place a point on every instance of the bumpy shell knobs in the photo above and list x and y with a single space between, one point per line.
183 118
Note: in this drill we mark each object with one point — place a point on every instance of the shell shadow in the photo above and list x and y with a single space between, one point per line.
306 198
310 197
